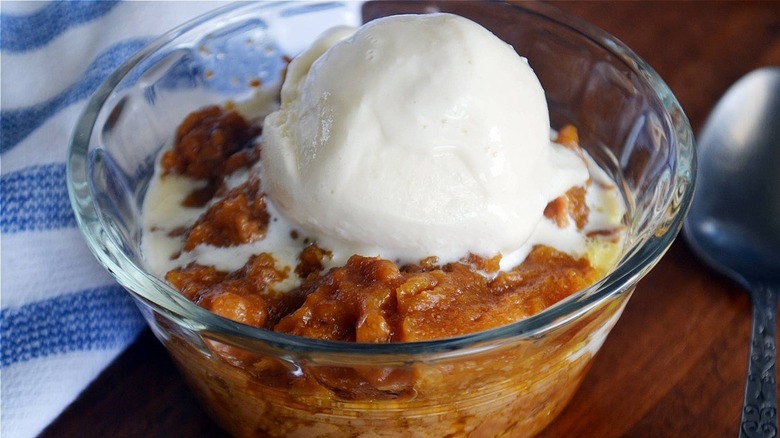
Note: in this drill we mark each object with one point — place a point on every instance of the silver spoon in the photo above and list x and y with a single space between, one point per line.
734 222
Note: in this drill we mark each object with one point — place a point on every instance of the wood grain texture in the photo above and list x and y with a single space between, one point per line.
674 365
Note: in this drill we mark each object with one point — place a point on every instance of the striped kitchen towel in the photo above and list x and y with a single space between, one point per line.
63 317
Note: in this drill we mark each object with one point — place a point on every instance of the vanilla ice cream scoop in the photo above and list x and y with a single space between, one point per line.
414 136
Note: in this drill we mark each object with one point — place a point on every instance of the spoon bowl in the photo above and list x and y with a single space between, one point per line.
734 222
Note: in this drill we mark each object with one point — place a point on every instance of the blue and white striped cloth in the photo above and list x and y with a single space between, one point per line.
63 317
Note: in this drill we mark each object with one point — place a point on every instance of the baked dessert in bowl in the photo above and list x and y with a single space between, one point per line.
509 377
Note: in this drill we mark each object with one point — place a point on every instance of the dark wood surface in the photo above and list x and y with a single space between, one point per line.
675 363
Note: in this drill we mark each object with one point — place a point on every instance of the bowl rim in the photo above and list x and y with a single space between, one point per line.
166 301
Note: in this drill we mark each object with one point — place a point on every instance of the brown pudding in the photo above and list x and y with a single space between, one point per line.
370 300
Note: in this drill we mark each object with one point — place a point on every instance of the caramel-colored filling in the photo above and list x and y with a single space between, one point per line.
368 299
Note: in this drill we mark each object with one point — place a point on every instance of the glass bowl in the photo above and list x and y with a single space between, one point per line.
509 381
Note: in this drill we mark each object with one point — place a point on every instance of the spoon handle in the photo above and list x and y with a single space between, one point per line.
759 410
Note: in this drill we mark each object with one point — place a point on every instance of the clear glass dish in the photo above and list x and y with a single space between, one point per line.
509 381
